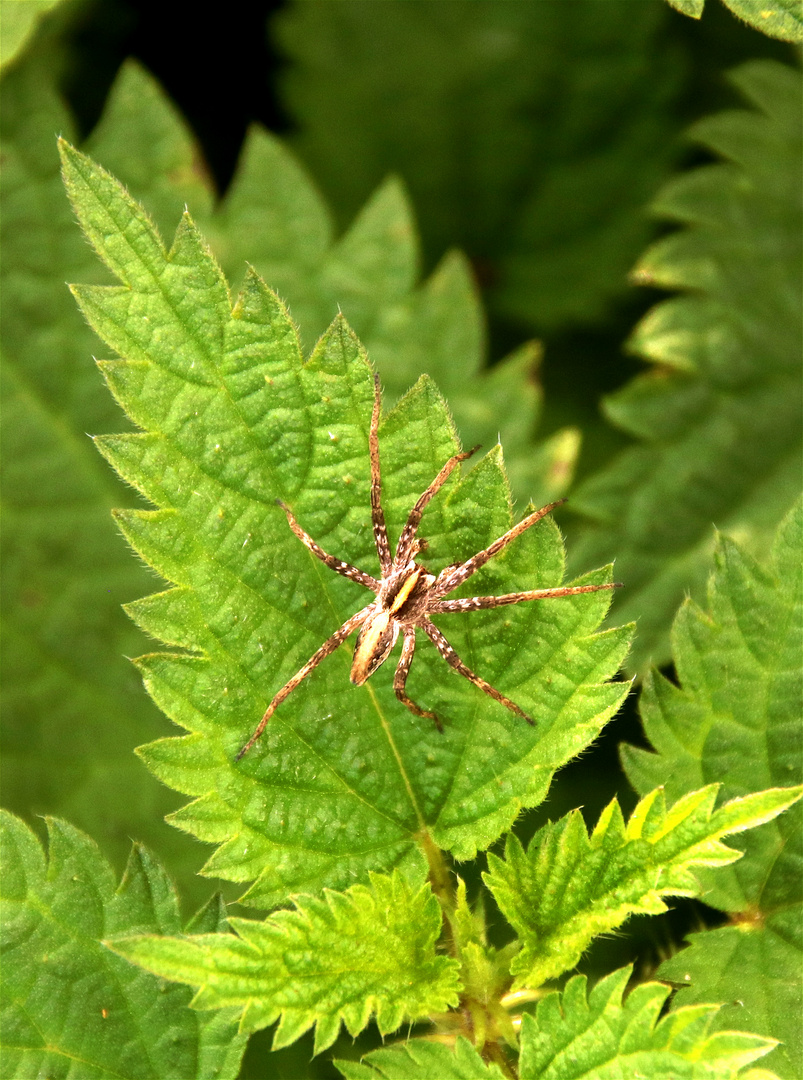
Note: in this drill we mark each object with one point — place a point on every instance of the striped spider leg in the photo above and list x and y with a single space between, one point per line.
407 594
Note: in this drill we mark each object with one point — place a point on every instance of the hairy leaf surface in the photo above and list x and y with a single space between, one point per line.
420 1060
69 1007
595 1035
274 218
719 417
343 780
66 682
569 887
599 1036
736 715
777 18
367 952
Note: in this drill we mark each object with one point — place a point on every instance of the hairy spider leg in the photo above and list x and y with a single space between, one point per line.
404 548
454 661
475 603
453 576
377 513
344 568
400 678
325 650
406 541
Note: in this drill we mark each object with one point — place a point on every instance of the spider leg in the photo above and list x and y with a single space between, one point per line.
400 679
453 576
344 568
474 603
453 660
404 549
377 513
325 650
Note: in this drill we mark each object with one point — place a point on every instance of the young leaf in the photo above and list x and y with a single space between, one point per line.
719 418
600 1036
343 780
421 1060
569 887
368 951
736 714
65 998
776 18
484 973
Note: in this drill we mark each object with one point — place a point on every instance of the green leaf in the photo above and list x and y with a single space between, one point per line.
692 8
66 680
66 683
421 1060
600 1037
736 715
18 24
776 18
529 134
484 974
274 219
367 952
343 780
569 887
718 418
71 1008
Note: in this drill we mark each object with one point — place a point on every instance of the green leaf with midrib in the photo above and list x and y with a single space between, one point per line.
343 780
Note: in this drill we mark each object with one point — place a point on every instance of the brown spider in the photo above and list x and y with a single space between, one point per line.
407 594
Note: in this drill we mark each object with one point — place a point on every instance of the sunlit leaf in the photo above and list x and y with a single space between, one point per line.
344 780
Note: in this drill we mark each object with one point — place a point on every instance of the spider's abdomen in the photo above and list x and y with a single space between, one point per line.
374 641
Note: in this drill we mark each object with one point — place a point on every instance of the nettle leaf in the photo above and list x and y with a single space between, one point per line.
569 887
65 680
274 218
544 189
368 951
598 1036
69 1006
343 780
777 18
719 418
736 715
418 1059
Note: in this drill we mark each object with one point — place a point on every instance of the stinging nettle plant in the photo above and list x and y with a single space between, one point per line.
345 813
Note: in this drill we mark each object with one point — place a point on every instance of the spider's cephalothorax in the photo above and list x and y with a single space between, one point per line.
407 594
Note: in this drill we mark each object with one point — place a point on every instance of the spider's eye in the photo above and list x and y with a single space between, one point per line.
374 641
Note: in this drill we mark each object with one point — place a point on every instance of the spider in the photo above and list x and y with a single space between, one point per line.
407 594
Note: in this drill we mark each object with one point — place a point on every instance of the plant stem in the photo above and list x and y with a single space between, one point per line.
442 883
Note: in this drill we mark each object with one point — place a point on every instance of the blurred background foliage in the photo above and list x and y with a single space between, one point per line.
530 136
